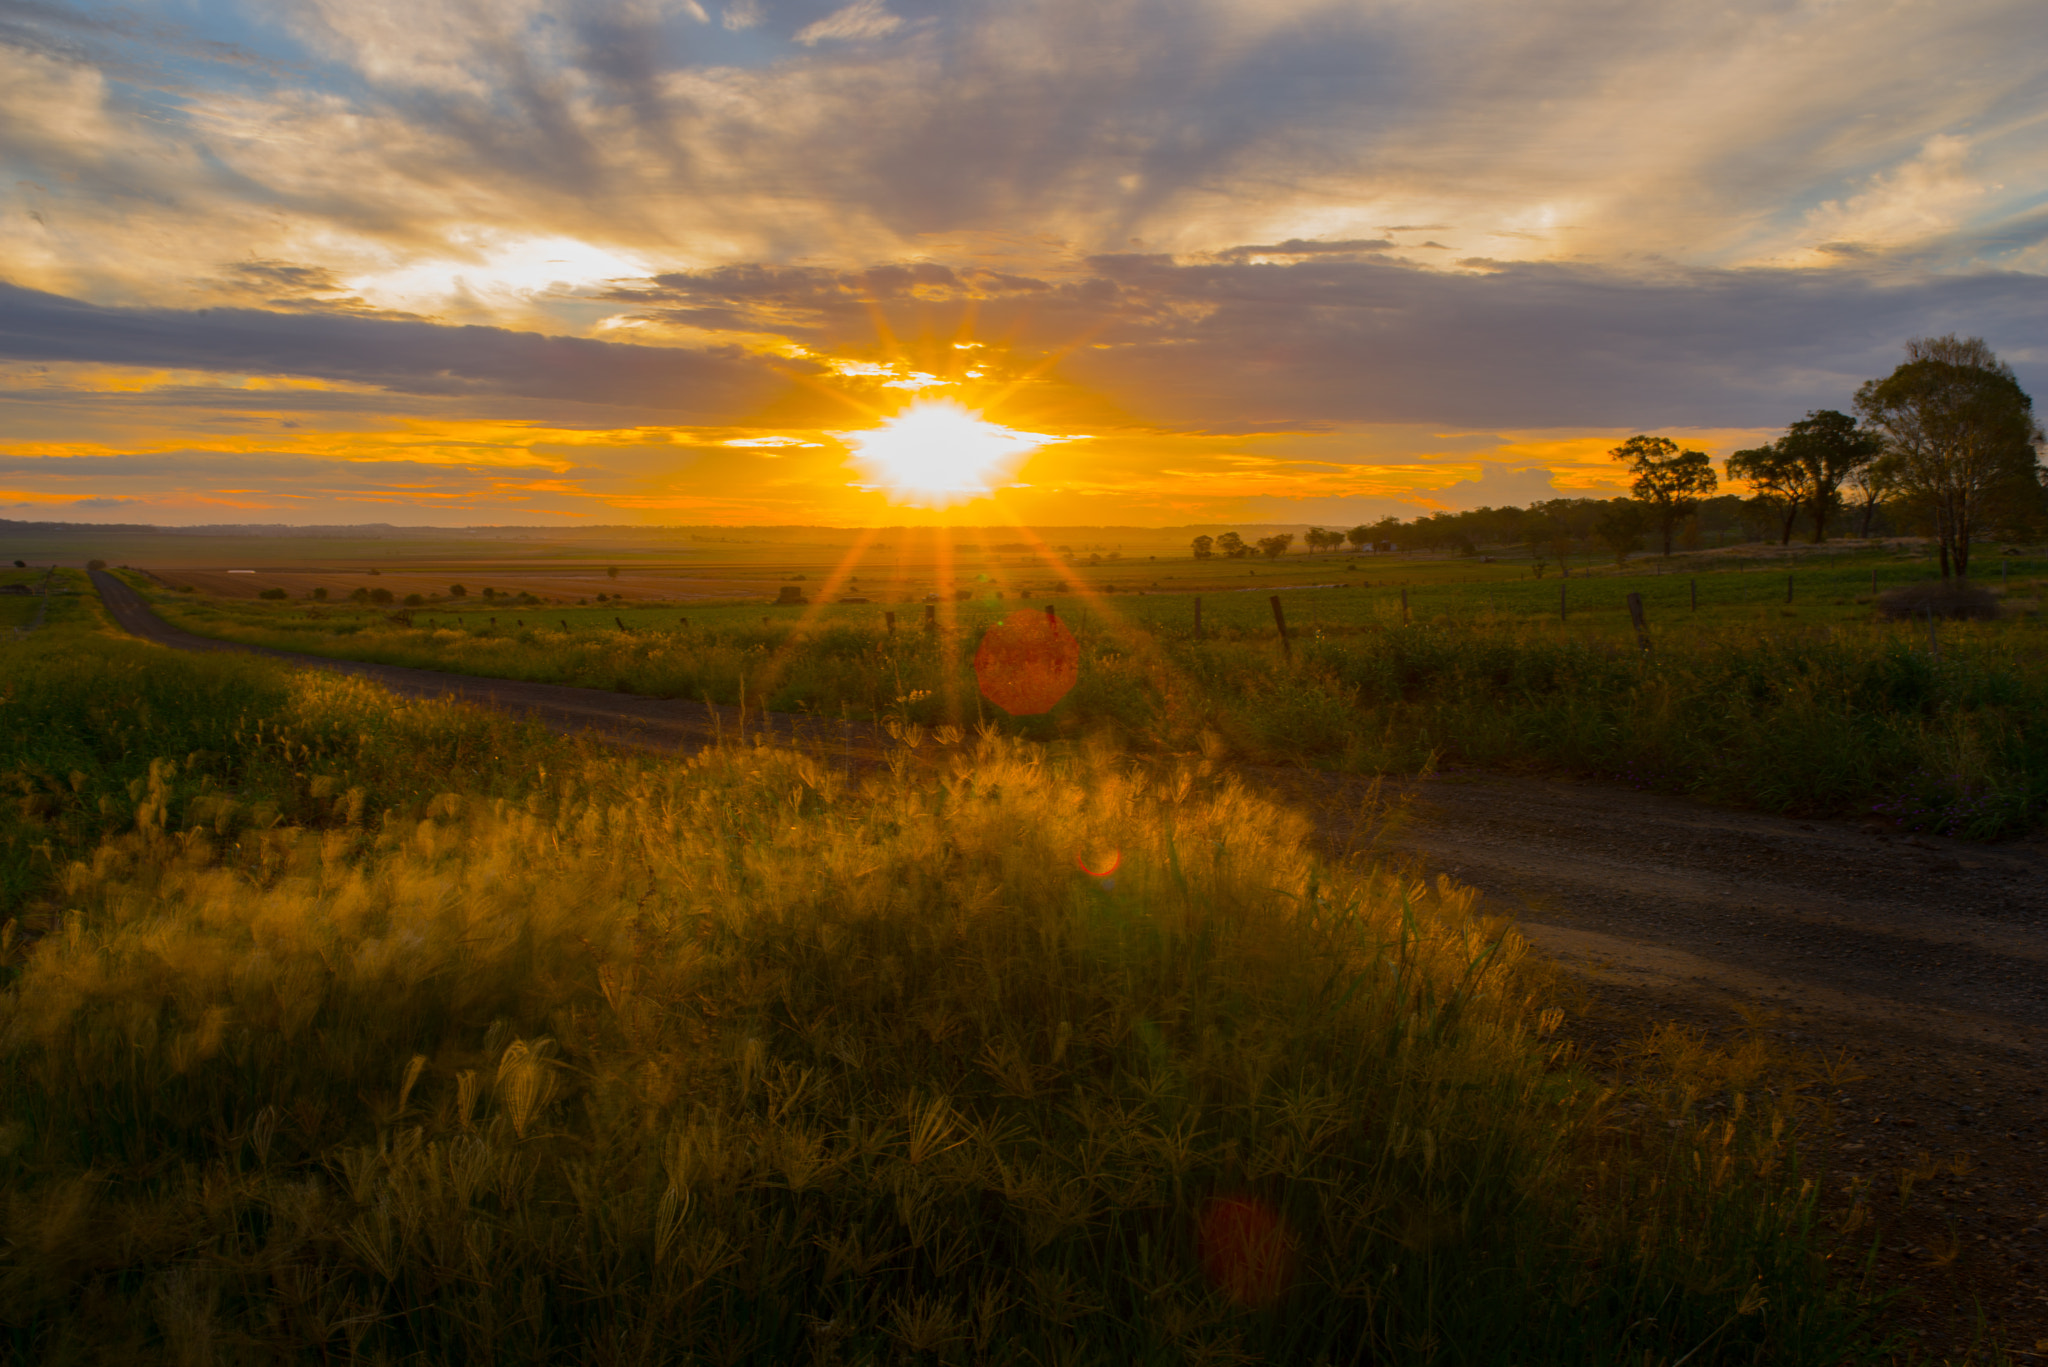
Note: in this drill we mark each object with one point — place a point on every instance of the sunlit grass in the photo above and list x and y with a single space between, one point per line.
1816 708
526 1053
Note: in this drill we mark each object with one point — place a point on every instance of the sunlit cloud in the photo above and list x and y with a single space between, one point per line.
1268 253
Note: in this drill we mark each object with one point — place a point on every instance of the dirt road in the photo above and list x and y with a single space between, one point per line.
1922 961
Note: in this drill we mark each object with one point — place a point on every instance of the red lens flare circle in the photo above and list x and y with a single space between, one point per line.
1246 1251
1102 864
1027 663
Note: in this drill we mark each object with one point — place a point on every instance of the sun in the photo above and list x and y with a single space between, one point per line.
937 453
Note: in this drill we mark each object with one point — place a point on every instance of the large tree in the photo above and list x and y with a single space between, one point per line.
1669 482
1962 433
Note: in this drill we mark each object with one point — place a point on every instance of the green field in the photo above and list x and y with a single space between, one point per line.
1812 705
337 1028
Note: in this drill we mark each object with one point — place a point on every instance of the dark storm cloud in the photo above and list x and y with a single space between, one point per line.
406 356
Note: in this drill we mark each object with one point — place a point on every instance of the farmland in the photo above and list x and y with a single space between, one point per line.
1768 680
336 1028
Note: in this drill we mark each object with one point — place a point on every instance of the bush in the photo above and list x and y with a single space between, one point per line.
275 595
1957 599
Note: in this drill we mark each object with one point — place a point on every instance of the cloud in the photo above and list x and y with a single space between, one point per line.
410 357
862 19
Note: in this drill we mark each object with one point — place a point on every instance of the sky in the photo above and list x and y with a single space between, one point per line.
462 262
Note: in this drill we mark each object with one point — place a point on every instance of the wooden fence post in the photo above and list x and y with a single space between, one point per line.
1695 593
1635 615
1280 619
889 621
931 618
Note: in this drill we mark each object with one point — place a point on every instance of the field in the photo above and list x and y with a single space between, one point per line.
1768 680
347 1030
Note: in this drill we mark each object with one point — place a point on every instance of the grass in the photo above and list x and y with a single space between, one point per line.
1814 707
1045 1054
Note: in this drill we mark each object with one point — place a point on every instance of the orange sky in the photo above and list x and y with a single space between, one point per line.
1257 260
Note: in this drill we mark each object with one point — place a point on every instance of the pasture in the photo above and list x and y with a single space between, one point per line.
1768 680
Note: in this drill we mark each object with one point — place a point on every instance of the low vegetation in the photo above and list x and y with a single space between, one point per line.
1814 706
339 1029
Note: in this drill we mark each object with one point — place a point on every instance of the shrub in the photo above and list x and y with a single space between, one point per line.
275 595
1957 599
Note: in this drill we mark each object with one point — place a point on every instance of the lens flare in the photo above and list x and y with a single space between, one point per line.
1027 662
1101 864
1246 1251
938 453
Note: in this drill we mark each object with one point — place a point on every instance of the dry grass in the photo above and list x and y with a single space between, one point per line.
744 1059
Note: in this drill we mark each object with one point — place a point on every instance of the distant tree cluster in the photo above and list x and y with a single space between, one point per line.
1947 445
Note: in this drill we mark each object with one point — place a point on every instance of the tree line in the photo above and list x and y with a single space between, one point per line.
1947 444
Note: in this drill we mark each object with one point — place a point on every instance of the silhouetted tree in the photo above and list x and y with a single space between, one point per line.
1358 537
1777 482
1829 447
1962 432
1620 527
1205 546
1232 545
1669 482
1276 545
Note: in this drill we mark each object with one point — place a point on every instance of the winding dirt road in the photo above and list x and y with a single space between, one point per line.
1921 962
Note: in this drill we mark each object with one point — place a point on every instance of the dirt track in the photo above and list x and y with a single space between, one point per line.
1924 960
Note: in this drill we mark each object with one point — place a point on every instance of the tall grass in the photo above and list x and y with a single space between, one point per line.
1031 1057
1763 711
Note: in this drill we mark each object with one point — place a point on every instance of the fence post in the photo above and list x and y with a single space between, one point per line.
1280 619
1198 619
931 618
1635 615
889 621
1695 593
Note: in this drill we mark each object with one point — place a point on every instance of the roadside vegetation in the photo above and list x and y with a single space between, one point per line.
1766 684
337 1028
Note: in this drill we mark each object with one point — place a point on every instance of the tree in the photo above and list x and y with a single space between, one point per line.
1777 481
613 571
1962 434
1320 540
1874 483
1620 526
1276 545
1358 537
1205 546
1669 482
1232 545
1828 447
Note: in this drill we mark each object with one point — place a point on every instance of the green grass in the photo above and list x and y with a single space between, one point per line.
1812 707
341 1029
